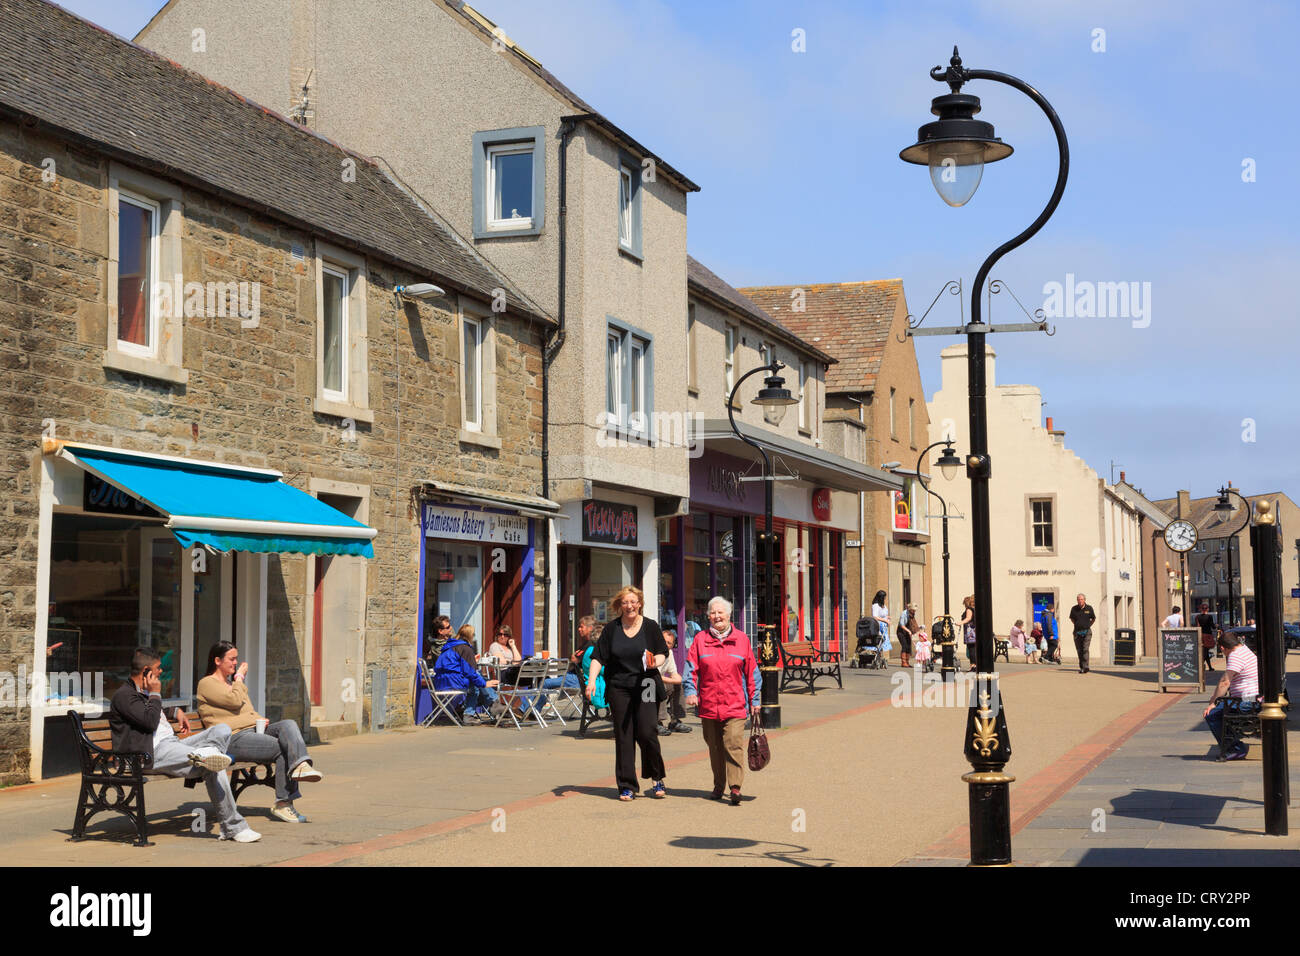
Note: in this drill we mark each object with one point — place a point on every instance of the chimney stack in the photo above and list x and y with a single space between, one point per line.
1049 423
1121 476
1184 504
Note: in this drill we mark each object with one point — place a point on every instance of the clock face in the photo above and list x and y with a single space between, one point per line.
1180 535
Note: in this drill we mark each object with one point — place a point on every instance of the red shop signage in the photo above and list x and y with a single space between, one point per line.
821 504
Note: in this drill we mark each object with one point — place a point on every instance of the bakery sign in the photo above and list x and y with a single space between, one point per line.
609 522
469 524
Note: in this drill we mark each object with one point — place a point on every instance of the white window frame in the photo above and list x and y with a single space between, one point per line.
495 224
625 190
474 422
150 349
345 286
483 432
632 370
162 357
804 413
692 360
1034 523
353 401
732 336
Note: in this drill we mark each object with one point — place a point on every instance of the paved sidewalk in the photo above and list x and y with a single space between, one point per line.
1156 798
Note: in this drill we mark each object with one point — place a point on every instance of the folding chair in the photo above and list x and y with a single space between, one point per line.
527 685
573 696
442 699
556 667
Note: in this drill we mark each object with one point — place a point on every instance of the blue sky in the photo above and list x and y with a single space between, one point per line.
797 154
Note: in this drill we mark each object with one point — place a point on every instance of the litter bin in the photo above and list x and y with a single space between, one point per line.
1125 646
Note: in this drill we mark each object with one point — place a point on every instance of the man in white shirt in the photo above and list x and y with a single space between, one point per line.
1175 618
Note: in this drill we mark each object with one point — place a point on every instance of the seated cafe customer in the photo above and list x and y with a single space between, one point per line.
223 699
1238 691
454 671
138 725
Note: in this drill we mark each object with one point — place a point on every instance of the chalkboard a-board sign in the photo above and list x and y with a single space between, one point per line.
1180 658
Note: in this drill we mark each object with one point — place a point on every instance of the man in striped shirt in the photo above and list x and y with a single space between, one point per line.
1240 681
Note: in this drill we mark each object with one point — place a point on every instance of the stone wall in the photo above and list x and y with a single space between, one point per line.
248 401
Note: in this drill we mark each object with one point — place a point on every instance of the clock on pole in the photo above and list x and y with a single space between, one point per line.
1180 535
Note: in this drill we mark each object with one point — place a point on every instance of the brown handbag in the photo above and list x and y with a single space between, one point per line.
760 754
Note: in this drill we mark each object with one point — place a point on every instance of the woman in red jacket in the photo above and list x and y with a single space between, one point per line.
722 677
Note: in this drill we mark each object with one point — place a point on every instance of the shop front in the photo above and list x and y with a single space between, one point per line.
711 551
607 544
169 553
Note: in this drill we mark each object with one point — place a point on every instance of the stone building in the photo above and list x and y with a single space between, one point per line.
1057 528
875 413
589 222
223 388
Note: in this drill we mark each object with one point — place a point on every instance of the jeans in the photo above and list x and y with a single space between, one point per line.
1215 719
479 698
282 743
568 680
172 757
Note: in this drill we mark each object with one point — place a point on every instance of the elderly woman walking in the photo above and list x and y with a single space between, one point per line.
722 677
625 651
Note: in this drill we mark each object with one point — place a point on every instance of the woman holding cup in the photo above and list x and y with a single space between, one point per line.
223 699
626 651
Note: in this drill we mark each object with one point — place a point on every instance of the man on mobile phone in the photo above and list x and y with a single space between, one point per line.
138 725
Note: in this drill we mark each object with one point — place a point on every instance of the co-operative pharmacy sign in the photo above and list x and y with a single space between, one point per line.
467 524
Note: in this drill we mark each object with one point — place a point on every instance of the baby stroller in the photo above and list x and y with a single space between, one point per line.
870 652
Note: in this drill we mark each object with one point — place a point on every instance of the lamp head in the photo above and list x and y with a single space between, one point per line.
949 463
775 399
955 146
1224 503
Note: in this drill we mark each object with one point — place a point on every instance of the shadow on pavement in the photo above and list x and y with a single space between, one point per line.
780 852
1181 807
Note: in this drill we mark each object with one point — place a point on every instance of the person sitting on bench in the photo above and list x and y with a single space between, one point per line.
138 726
1239 681
223 700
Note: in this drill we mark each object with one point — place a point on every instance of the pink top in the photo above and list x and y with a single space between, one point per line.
1246 684
1017 638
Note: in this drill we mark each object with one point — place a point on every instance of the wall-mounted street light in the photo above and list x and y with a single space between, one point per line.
774 398
956 148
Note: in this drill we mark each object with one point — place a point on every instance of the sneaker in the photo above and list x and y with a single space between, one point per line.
625 794
246 835
1235 754
287 813
735 796
679 728
717 794
658 789
663 731
209 758
307 773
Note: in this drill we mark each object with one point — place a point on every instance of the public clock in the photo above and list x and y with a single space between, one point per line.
1180 535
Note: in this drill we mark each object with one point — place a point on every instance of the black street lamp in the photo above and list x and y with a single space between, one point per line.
774 398
1224 504
946 633
955 148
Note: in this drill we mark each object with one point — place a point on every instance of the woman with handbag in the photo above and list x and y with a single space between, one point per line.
629 652
722 677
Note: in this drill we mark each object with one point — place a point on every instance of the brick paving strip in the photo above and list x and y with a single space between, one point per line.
354 851
1044 788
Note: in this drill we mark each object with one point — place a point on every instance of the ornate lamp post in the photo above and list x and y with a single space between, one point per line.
956 147
775 398
948 463
1224 505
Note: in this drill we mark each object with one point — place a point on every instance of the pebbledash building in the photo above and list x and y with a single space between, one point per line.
280 470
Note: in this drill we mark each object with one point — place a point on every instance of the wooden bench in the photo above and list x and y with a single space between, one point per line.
115 781
802 661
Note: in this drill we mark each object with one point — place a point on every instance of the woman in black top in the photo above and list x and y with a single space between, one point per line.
625 651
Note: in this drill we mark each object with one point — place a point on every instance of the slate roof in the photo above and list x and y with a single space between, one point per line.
851 320
83 83
702 280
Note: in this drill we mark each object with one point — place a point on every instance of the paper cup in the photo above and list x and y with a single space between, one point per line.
261 725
